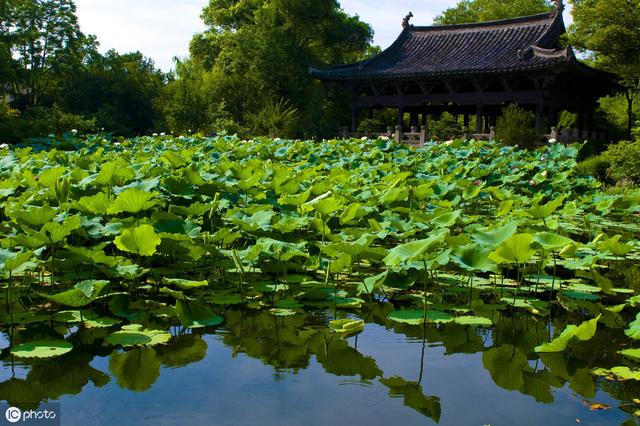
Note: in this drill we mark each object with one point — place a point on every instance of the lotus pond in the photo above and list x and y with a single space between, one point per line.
219 281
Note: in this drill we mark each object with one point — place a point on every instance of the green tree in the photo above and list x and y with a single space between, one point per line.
467 11
119 90
46 44
257 52
609 31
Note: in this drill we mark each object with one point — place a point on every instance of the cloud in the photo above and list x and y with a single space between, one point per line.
160 29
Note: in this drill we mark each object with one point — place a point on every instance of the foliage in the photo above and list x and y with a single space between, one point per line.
516 126
624 160
275 119
473 246
257 51
609 30
489 10
596 166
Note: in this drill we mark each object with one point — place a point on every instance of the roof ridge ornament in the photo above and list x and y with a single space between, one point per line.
405 21
559 5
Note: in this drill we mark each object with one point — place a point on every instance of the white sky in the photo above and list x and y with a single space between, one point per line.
162 29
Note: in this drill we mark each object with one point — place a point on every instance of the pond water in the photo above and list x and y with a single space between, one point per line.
258 368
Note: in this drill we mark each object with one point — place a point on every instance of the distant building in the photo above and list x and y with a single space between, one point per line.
476 69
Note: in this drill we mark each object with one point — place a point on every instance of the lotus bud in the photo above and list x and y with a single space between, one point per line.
532 182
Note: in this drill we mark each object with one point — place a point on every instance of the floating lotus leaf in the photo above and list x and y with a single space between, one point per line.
185 284
633 354
42 349
347 326
135 335
634 328
417 317
473 320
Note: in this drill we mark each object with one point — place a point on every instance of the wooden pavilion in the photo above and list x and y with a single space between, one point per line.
475 69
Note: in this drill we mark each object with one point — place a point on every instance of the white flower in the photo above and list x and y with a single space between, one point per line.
552 141
163 134
364 138
448 142
544 174
4 146
155 134
384 138
116 144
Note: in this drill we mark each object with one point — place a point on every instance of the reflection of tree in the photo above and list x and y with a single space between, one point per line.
136 369
49 380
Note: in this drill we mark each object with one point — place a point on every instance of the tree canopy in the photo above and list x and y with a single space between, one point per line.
609 32
467 11
256 53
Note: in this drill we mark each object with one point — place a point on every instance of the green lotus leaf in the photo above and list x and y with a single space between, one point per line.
634 328
141 240
415 250
196 315
31 215
474 257
133 201
42 349
549 241
620 373
543 212
417 317
583 332
494 236
283 312
135 335
185 284
347 326
473 320
81 295
633 354
517 249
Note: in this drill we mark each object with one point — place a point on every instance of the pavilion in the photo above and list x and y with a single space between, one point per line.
476 69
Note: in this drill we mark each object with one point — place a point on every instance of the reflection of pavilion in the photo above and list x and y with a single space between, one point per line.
475 70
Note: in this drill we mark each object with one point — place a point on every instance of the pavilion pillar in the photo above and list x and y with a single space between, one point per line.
479 111
424 118
400 118
354 118
539 112
553 117
466 120
413 118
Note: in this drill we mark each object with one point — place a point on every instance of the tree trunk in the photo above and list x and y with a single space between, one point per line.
630 118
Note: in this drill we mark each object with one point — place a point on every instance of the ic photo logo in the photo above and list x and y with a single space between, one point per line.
48 416
13 415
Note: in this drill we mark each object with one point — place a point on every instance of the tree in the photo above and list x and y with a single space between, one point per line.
467 11
609 31
46 44
119 90
257 53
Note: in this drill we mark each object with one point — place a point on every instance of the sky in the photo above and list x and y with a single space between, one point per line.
162 29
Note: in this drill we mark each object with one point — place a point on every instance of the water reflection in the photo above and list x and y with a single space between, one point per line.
292 344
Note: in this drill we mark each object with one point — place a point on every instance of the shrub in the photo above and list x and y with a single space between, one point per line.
516 127
624 159
275 119
446 127
596 166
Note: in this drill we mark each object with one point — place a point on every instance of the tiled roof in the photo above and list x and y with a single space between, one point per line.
518 44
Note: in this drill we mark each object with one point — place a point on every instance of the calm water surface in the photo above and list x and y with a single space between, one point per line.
259 369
